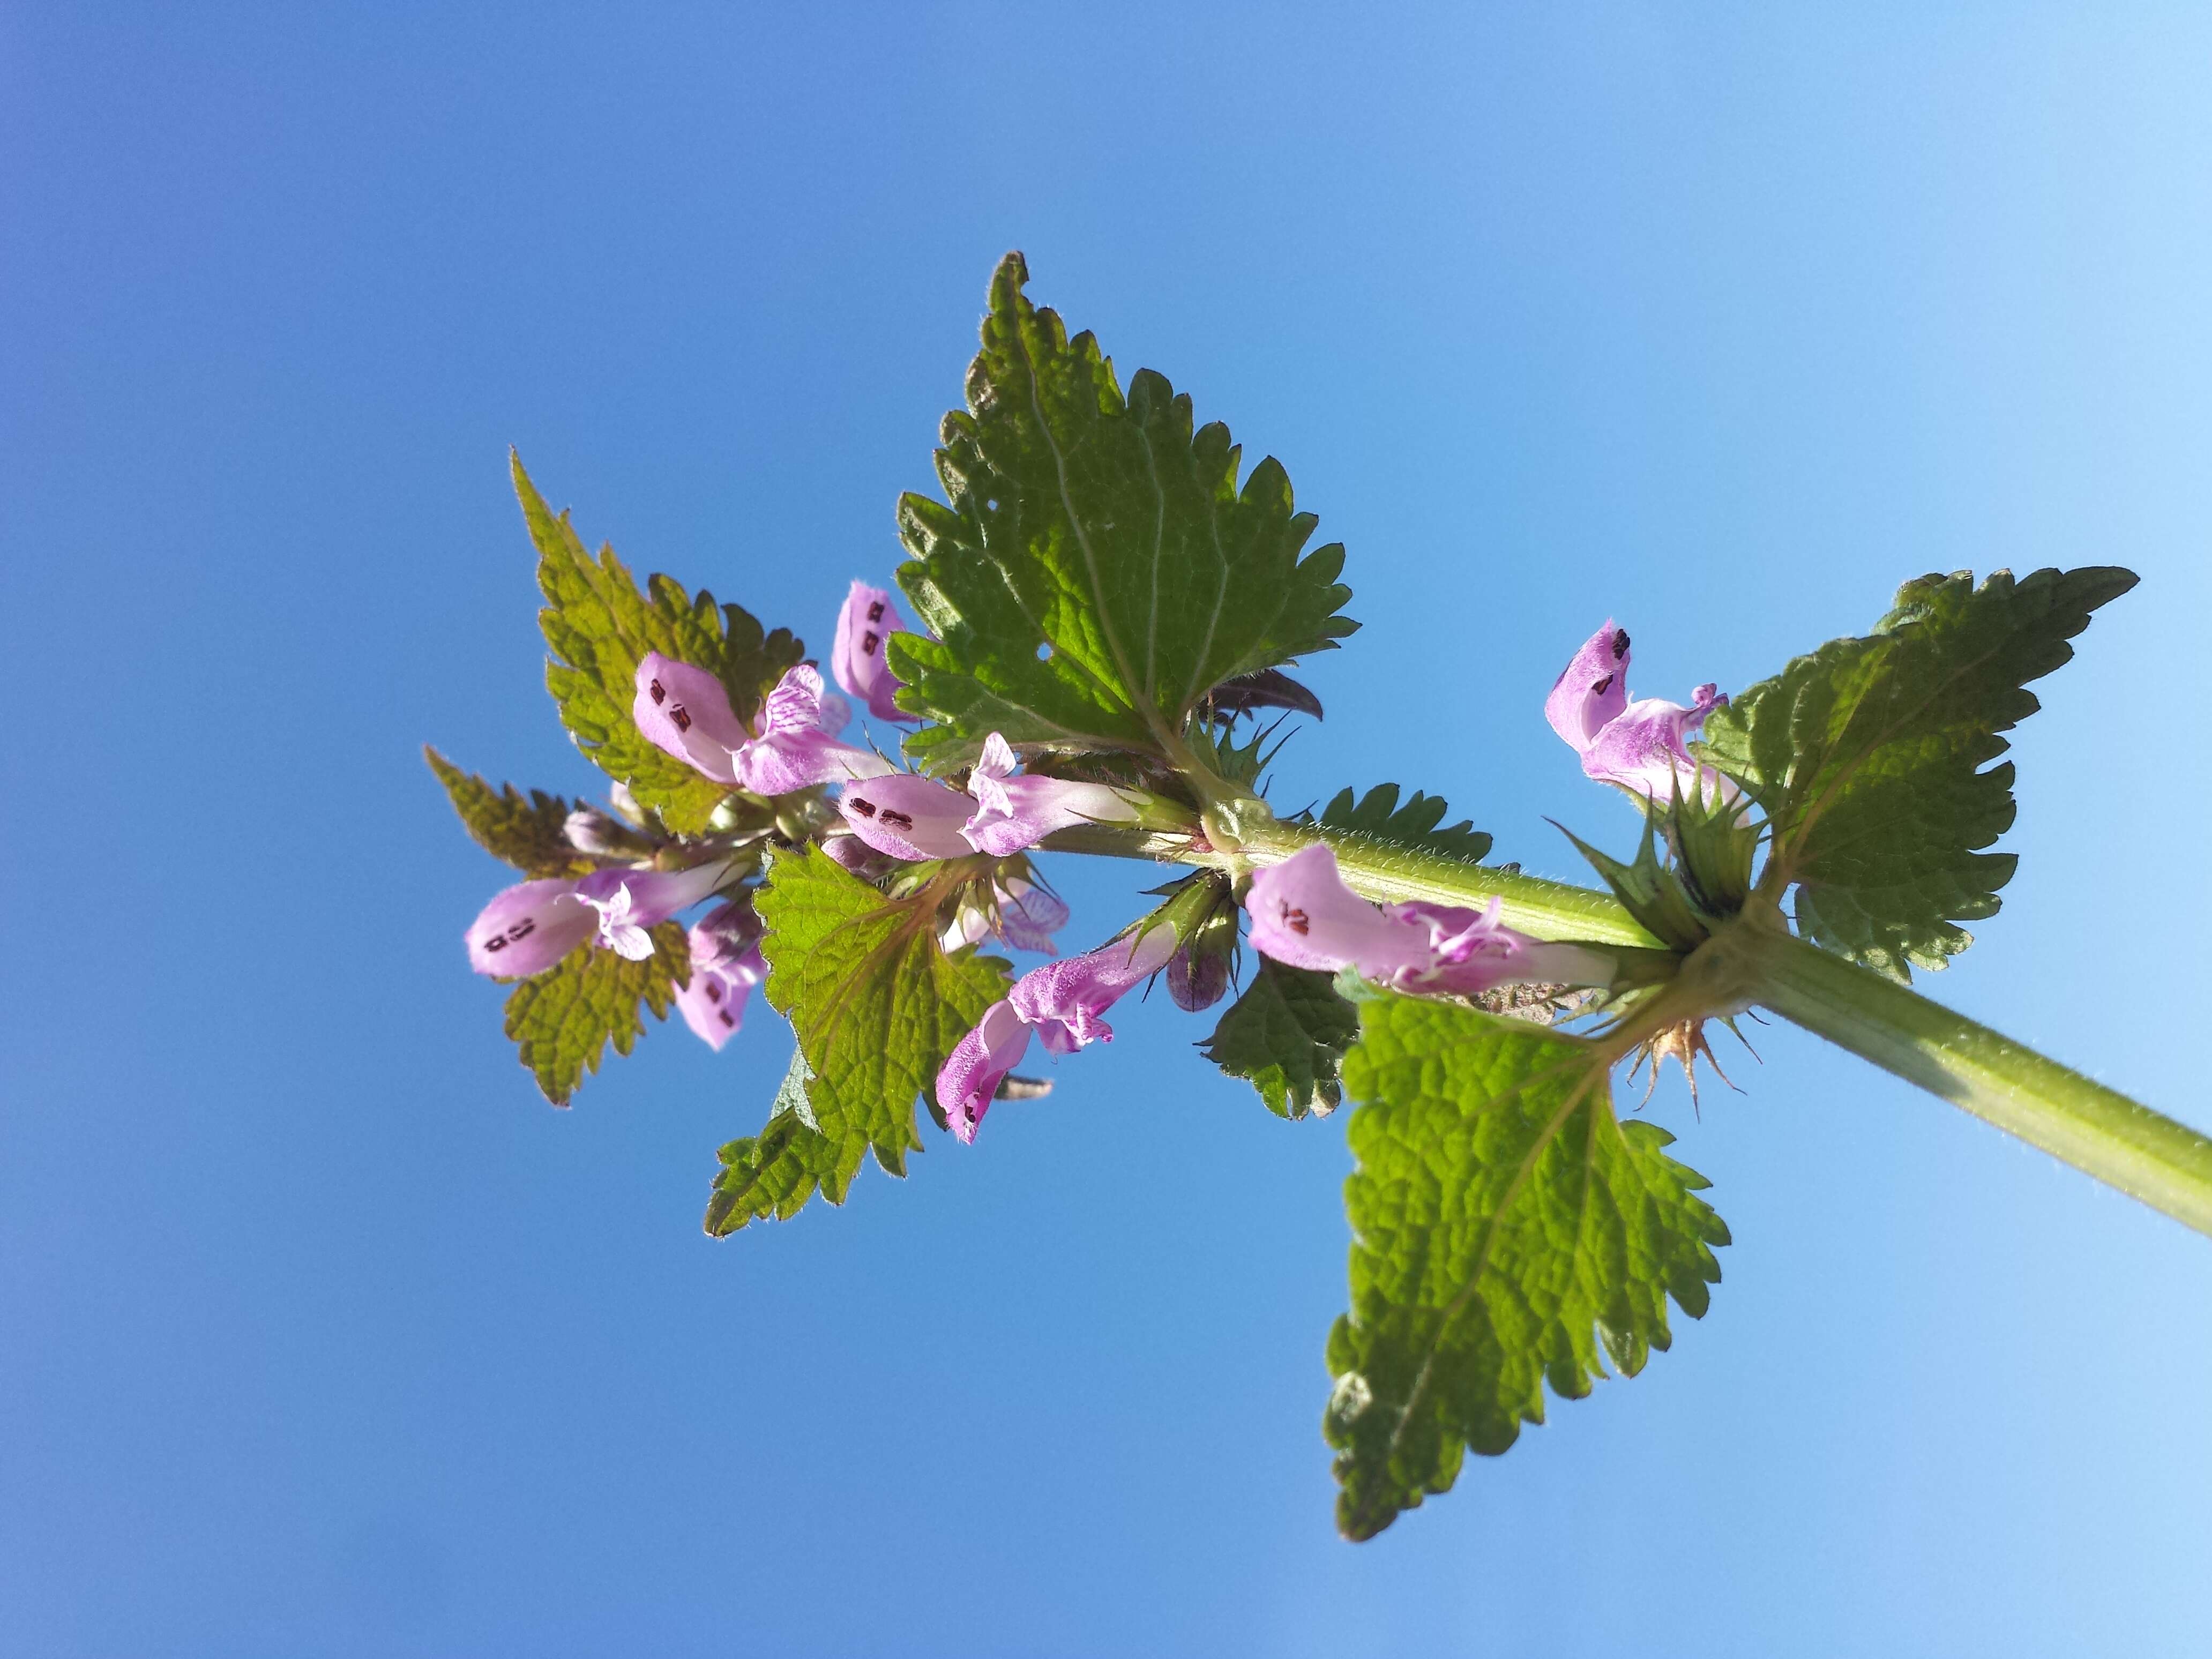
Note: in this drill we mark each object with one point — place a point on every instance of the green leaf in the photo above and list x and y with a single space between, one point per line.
776 1171
790 1093
562 1019
1867 758
877 1003
1102 526
1505 1222
527 833
1286 1035
597 627
1378 816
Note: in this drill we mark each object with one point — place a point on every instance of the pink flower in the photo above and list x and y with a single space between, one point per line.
528 928
857 856
794 750
1026 917
907 816
868 619
1062 1002
1304 914
1637 745
631 903
1065 1000
686 711
1014 813
978 1064
726 965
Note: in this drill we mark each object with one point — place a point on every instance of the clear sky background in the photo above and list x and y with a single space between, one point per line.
321 1334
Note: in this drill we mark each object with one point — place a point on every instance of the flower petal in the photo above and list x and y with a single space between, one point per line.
1028 916
727 932
977 1064
714 1003
780 765
997 759
795 704
867 620
1304 914
685 710
528 928
792 751
1013 814
857 856
1065 1000
1592 690
907 816
1024 915
645 898
1643 748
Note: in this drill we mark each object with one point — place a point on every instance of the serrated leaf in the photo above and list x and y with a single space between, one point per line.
1867 758
1286 1035
598 626
562 1019
527 833
876 1002
1505 1222
1417 824
1104 527
776 1171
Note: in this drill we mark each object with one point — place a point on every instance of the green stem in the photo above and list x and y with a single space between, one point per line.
1384 871
2165 1165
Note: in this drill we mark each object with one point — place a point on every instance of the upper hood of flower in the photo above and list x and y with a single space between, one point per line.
867 620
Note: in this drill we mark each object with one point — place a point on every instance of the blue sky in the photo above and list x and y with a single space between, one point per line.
319 1334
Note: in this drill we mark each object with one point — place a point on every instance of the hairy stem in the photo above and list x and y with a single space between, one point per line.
1383 870
2166 1164
2149 1157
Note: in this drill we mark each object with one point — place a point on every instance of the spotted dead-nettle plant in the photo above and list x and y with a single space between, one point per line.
1089 657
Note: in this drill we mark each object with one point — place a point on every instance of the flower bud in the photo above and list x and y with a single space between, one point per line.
590 830
1198 973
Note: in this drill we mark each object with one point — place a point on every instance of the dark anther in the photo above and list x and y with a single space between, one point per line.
729 1019
659 696
876 611
1619 643
1296 921
713 991
683 719
521 930
869 641
1598 690
866 809
496 942
897 820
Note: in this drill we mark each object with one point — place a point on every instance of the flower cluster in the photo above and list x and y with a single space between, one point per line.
795 743
1300 913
